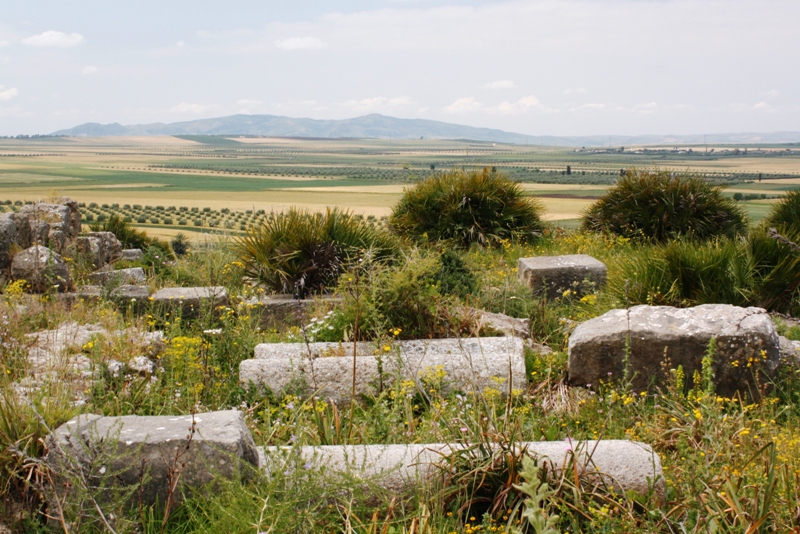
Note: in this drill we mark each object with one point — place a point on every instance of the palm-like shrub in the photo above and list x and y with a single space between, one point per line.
661 206
786 213
482 207
758 270
299 251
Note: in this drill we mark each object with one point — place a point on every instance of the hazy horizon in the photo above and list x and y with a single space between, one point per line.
561 68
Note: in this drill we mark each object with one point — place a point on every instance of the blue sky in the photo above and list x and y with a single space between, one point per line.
556 67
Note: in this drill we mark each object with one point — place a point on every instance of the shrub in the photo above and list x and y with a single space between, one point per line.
403 302
786 213
180 244
662 206
455 278
758 270
482 207
300 248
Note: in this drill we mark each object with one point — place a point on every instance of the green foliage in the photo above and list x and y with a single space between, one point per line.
403 301
301 249
455 277
661 206
758 271
467 207
786 213
180 244
538 495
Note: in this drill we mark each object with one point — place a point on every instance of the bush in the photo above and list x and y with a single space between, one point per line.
477 207
455 278
786 213
661 206
180 244
403 302
756 271
300 248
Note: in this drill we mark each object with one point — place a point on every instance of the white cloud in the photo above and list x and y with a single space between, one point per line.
592 105
8 94
3 44
300 43
464 105
500 84
54 38
180 44
248 102
772 93
574 91
522 105
762 105
90 69
187 108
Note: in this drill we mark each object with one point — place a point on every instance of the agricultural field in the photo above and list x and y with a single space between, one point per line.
227 181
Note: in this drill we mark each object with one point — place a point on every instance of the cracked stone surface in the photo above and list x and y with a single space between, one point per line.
625 465
555 274
55 355
191 299
221 447
663 337
326 369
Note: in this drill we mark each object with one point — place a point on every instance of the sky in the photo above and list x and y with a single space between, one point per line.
538 67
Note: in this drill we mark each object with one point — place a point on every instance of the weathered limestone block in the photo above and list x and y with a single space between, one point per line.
790 350
191 299
114 448
621 464
56 225
553 275
281 310
452 364
133 276
43 269
132 254
662 338
8 235
499 322
102 248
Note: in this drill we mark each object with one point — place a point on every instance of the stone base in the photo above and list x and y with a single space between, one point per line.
619 464
326 369
554 275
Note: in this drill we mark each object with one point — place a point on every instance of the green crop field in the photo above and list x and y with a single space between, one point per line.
366 175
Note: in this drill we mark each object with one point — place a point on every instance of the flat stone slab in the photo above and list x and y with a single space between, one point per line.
621 464
553 275
326 369
790 350
113 449
132 254
282 309
662 337
191 299
133 276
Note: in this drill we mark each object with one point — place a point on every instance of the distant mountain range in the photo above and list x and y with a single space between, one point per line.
381 126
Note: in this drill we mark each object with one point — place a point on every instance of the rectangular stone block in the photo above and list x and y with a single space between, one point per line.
134 275
111 452
191 299
659 338
553 275
326 369
620 464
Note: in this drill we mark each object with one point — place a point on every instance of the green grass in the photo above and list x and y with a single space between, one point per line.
712 449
